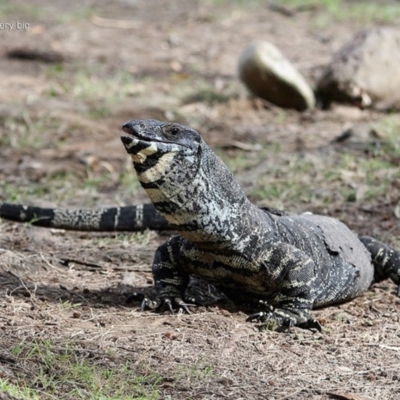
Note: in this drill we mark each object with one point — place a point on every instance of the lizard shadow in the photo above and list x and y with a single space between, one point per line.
13 285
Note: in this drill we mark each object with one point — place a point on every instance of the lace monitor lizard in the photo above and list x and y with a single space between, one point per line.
290 264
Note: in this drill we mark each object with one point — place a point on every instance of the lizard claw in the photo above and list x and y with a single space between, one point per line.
287 324
168 303
262 316
259 316
181 304
314 323
311 324
178 302
147 303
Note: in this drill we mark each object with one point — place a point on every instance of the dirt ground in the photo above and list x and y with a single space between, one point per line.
98 64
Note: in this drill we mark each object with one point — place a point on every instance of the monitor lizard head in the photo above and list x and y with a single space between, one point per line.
158 148
166 156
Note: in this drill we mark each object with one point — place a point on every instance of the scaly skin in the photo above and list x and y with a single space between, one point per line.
294 262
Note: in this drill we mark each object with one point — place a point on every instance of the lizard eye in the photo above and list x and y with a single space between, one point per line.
174 131
142 126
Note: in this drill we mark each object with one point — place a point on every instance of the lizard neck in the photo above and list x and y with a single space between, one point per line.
210 208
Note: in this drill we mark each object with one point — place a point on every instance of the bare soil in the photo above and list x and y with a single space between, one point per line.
71 287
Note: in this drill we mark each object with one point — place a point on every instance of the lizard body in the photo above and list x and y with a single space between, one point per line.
293 262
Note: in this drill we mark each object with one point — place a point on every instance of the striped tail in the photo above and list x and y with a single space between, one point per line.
385 259
131 218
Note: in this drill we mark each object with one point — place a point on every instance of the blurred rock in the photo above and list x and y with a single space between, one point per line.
35 54
268 74
365 72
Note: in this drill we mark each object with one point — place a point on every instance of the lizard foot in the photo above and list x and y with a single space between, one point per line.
277 320
271 321
169 303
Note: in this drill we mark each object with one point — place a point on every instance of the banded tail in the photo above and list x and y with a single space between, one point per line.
130 218
386 260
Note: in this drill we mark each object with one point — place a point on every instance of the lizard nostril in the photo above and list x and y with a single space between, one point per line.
131 128
128 129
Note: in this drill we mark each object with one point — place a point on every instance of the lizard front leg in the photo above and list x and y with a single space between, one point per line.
291 273
170 280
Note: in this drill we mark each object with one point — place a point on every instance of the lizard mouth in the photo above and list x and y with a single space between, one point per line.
132 133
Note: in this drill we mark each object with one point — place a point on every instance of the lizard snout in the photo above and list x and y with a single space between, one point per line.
130 128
